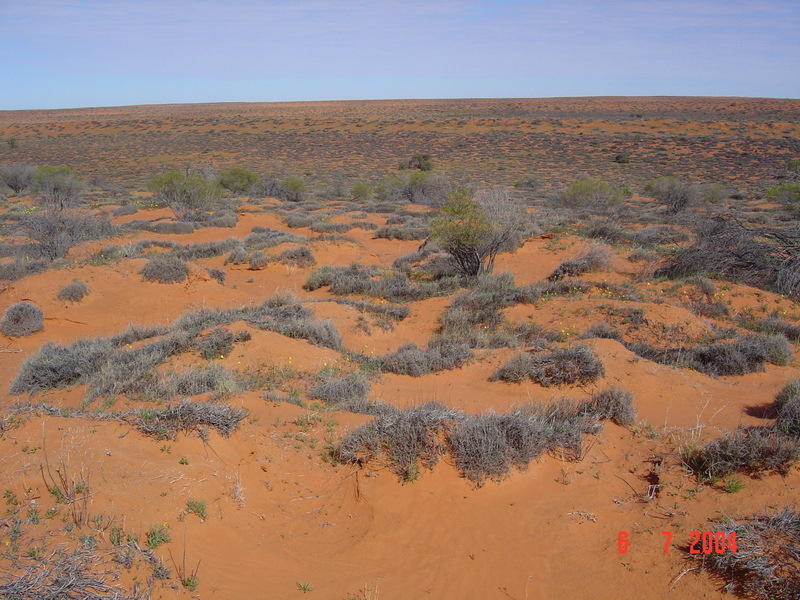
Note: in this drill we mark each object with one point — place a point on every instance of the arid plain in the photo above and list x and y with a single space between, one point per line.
268 504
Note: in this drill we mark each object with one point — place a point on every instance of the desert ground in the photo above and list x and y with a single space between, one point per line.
250 430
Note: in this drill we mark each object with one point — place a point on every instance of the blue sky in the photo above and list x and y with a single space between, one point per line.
74 53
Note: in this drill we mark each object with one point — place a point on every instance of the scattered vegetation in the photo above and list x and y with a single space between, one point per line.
485 446
745 355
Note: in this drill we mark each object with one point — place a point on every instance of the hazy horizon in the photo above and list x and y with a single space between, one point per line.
99 53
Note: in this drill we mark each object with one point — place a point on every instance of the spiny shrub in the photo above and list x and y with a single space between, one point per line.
615 404
165 268
22 268
417 187
294 221
188 417
575 365
787 405
216 344
725 248
608 232
774 324
745 355
485 446
172 227
74 291
412 360
330 227
194 381
297 257
751 450
22 319
658 235
237 256
393 232
341 390
592 259
125 210
602 331
258 260
764 565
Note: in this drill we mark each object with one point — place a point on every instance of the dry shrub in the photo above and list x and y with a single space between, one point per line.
576 365
187 417
485 446
297 257
590 260
74 291
22 319
165 268
341 390
745 355
766 564
751 450
412 360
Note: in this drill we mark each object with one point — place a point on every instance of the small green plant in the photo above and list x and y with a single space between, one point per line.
305 587
116 536
190 582
197 507
33 514
733 484
183 460
412 474
11 498
157 535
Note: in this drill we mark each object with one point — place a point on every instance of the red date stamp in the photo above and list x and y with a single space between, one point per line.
706 542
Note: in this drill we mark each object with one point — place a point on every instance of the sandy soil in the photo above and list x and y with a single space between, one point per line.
279 516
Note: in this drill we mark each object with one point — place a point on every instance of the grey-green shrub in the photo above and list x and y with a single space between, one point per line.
165 268
74 291
22 319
